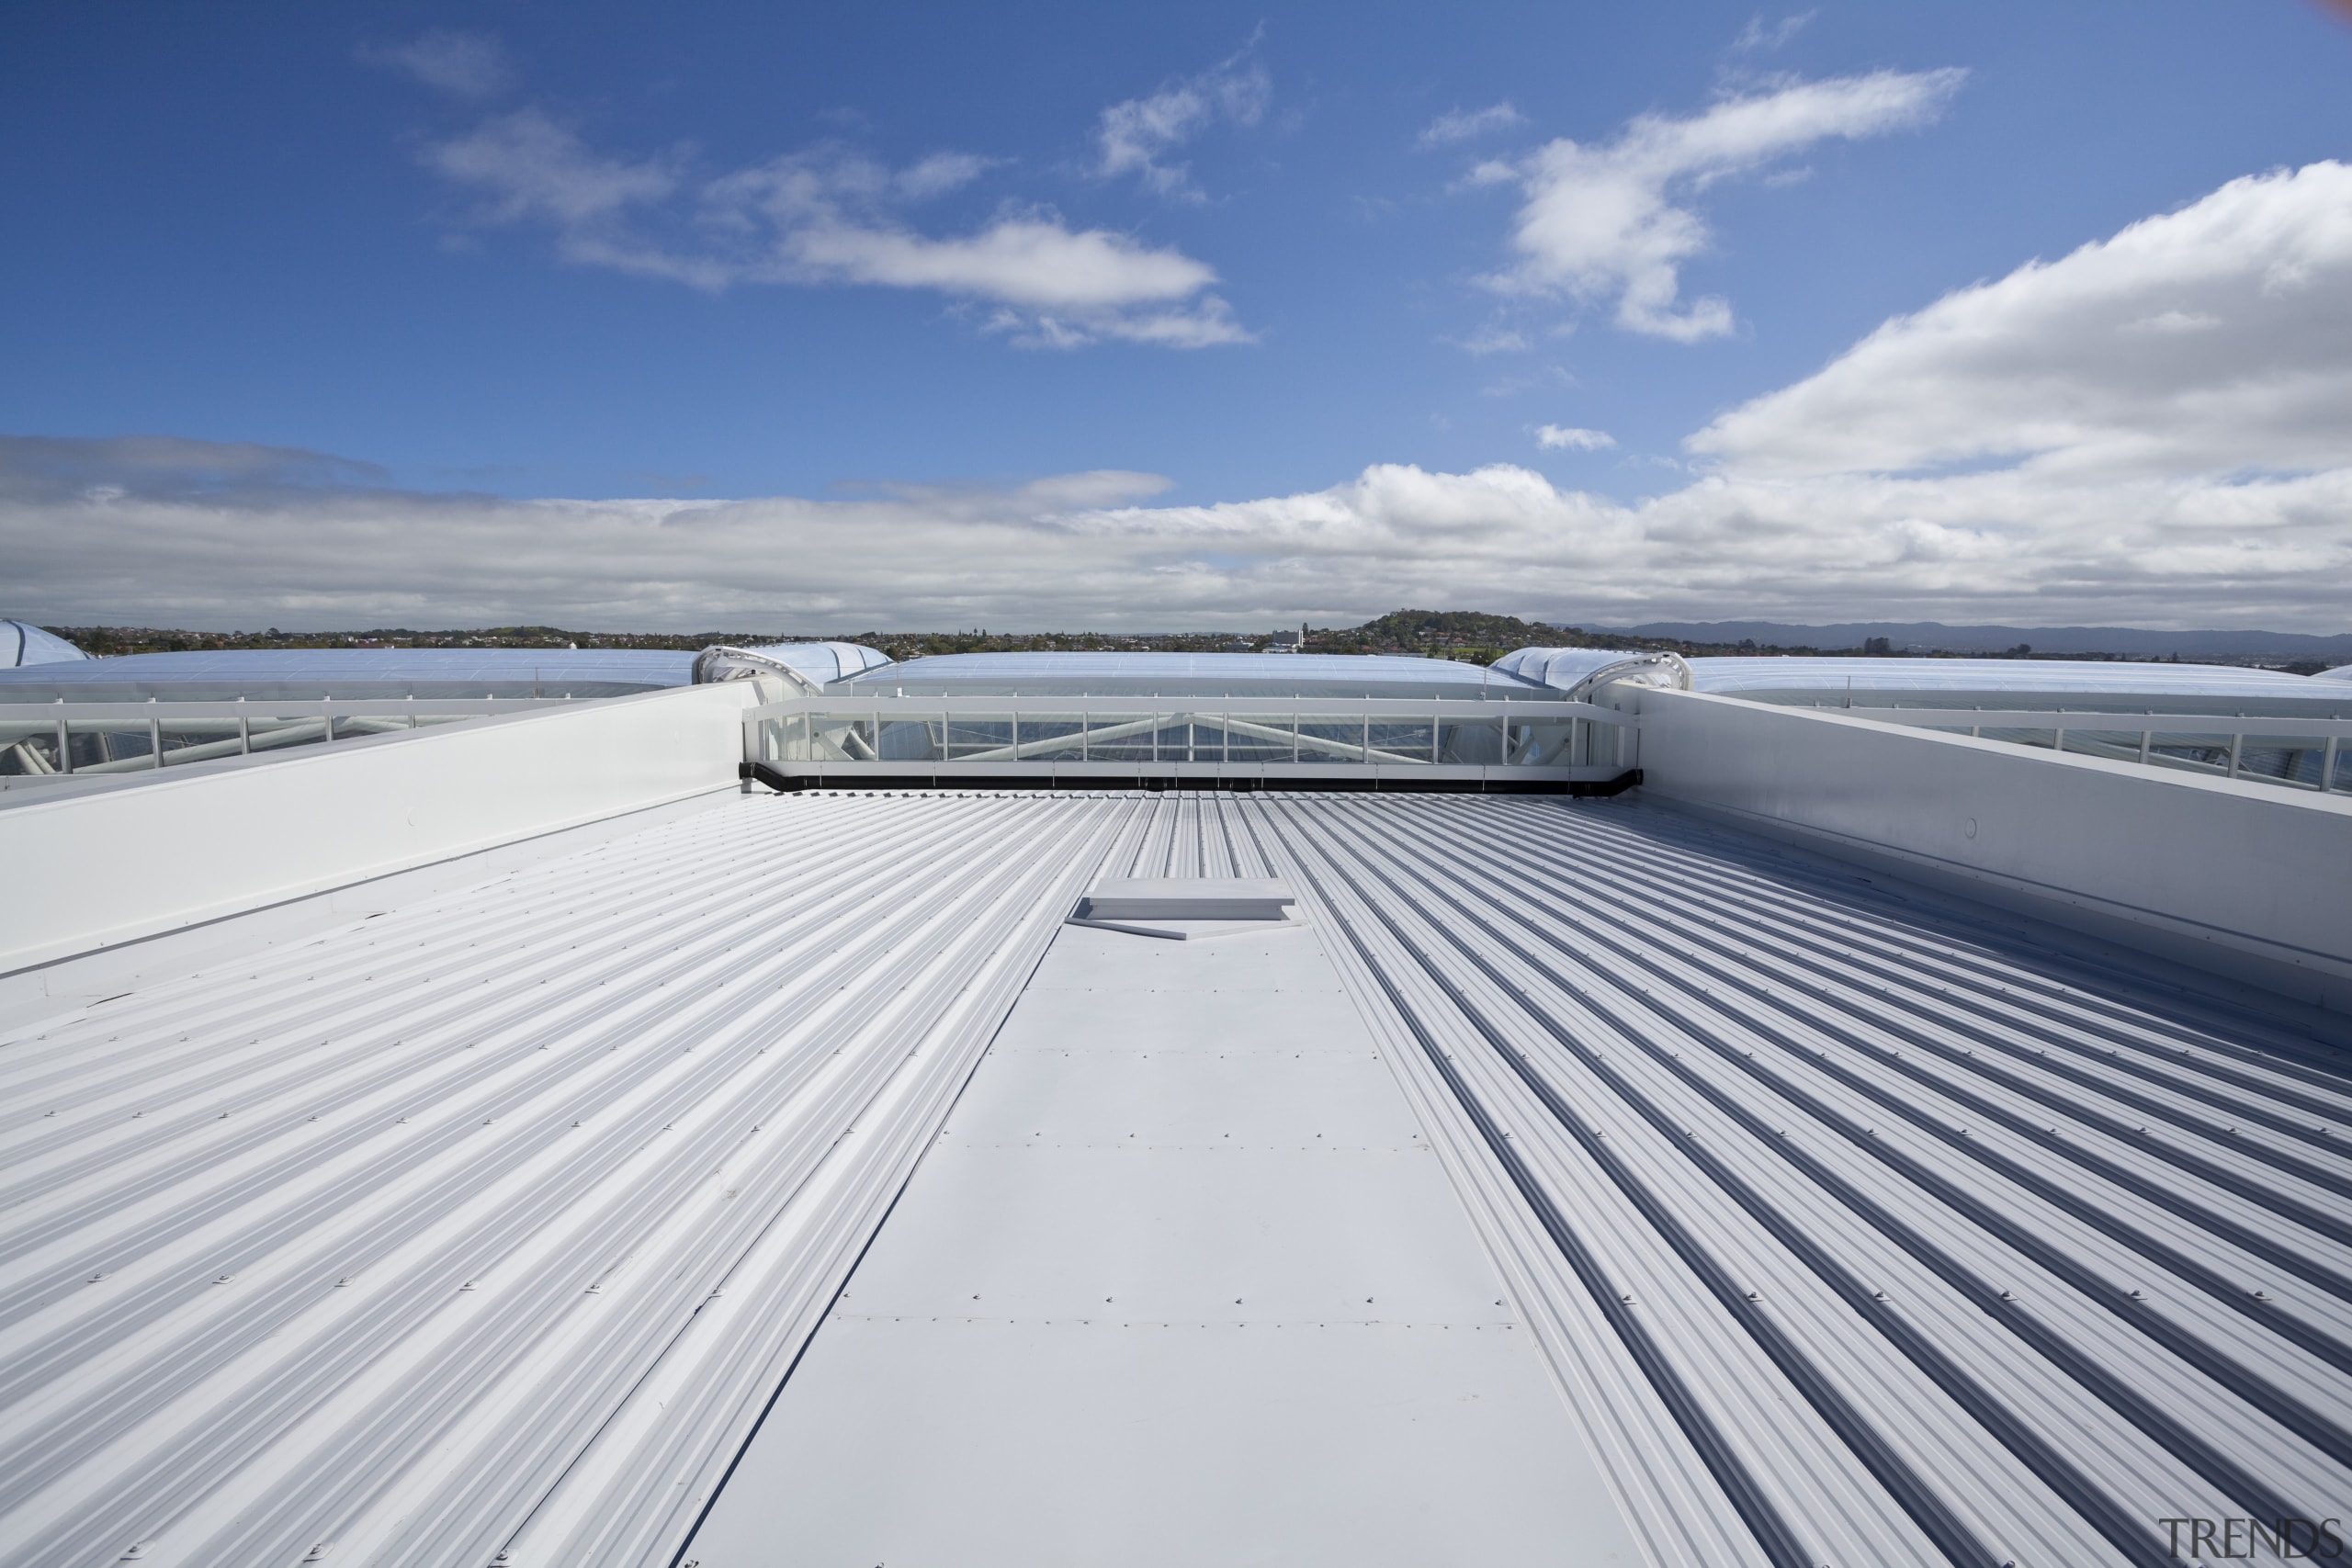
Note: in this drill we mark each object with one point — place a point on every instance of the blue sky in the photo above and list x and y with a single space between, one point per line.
1213 315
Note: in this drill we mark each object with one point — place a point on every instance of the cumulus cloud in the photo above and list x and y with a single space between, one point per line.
831 216
2211 339
1137 136
463 64
1568 437
2113 472
1467 124
1615 221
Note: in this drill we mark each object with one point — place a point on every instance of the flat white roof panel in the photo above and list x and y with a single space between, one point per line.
1201 1296
1025 1445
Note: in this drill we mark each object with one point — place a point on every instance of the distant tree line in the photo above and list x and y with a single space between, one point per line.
1469 635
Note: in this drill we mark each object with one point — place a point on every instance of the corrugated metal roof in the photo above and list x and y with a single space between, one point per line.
408 1238
1882 1233
1856 1231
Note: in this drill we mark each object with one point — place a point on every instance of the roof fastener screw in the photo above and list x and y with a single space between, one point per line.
2262 1295
2006 1296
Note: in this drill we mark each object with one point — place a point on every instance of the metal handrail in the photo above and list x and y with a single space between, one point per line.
1045 703
1136 715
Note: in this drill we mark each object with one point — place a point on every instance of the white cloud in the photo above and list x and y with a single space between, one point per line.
1138 135
1492 340
2005 546
832 217
1615 223
941 172
1552 437
1756 36
2122 475
466 65
1465 125
2213 339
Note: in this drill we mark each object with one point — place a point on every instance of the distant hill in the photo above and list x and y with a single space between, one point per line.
1933 637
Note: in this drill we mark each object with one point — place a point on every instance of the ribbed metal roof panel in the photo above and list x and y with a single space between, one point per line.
1854 1230
497 1217
1929 1246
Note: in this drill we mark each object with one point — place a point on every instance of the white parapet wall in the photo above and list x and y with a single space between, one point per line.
86 872
2251 880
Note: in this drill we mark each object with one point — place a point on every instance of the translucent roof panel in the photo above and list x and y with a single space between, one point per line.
1560 667
22 643
824 662
1192 675
312 672
2015 683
